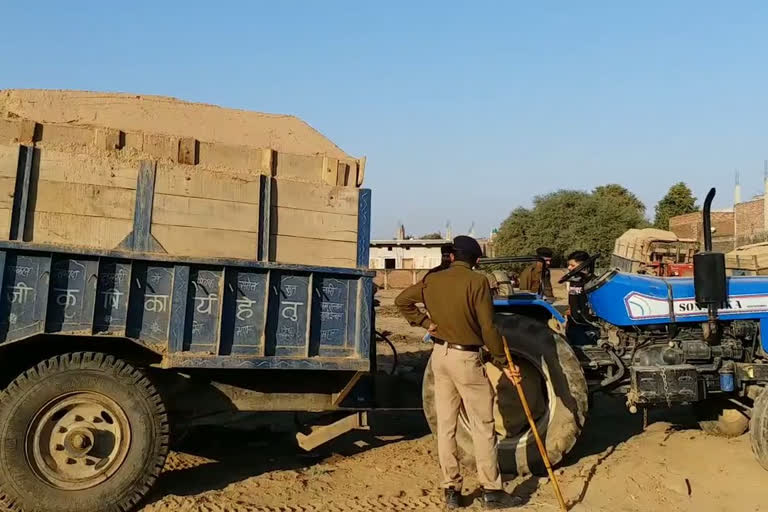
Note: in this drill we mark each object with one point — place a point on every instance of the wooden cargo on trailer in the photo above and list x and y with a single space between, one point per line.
647 250
131 172
748 260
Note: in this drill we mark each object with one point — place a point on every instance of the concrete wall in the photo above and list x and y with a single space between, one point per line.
398 279
406 257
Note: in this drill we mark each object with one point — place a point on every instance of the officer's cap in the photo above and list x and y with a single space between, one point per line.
468 246
544 252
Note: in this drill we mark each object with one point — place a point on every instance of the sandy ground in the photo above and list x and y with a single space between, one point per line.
616 466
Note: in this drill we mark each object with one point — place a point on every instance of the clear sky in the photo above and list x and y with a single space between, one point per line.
464 110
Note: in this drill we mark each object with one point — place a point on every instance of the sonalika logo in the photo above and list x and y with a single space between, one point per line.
686 307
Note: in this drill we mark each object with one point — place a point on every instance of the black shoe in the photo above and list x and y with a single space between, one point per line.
495 500
452 498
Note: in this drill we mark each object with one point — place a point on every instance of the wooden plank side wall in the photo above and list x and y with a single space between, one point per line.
202 213
81 214
181 180
82 200
61 166
310 251
202 242
89 200
197 212
299 166
312 197
317 225
313 224
173 149
68 229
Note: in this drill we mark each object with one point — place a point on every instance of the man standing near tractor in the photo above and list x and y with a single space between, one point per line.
535 278
579 329
460 321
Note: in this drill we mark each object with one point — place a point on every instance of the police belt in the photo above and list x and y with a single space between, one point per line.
465 348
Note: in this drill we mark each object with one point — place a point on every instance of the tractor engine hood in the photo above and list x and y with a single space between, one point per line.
632 299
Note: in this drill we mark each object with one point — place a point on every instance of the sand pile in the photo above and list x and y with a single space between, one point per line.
163 115
210 197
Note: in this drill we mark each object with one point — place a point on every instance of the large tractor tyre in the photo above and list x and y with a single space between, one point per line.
554 386
81 432
720 418
758 428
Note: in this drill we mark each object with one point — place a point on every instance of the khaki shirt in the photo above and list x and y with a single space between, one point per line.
503 283
459 302
491 278
535 278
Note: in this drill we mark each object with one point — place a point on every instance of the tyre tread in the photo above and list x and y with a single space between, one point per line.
120 370
758 427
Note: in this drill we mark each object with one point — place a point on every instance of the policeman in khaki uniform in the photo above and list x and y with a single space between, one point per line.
460 322
536 278
500 283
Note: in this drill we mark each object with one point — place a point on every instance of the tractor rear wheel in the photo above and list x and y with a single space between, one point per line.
554 386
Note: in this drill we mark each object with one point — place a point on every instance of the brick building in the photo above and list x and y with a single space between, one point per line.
746 223
691 225
749 220
686 226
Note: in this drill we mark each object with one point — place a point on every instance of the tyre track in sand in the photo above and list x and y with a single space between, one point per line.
425 504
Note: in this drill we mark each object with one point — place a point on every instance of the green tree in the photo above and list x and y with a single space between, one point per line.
568 220
432 236
619 193
612 215
678 201
513 237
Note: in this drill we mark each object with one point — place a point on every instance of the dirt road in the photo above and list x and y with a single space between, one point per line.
616 466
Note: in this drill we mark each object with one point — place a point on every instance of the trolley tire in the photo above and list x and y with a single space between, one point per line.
81 374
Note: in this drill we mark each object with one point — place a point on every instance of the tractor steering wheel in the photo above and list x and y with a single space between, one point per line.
572 273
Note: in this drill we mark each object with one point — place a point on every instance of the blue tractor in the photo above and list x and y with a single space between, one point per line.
657 341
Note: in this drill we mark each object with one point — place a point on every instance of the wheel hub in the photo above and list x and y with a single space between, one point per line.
78 440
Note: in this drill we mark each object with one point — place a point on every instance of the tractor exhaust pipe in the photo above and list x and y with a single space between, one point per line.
708 220
709 279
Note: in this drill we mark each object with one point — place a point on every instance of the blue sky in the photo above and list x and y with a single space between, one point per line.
464 110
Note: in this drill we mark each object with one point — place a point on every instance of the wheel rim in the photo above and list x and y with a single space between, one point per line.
78 440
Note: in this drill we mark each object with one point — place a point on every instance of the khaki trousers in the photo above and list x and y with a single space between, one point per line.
460 378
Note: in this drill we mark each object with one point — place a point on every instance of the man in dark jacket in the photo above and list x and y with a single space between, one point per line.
579 329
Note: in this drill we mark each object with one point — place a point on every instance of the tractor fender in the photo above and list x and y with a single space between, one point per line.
532 306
